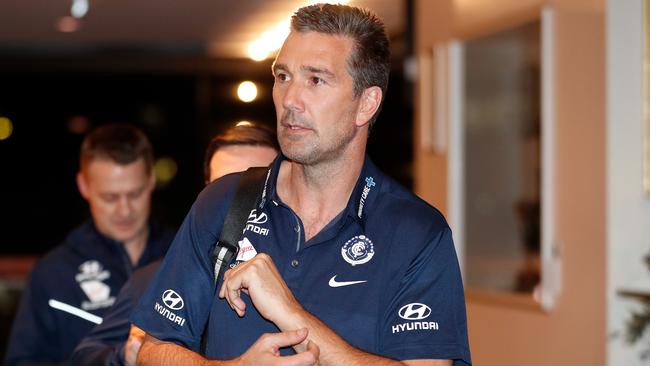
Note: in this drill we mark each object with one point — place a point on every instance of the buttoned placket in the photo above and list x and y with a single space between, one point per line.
295 233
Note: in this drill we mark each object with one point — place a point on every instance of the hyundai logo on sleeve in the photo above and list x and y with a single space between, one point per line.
412 313
173 300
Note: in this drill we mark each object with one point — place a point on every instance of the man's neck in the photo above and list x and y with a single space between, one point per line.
135 247
317 194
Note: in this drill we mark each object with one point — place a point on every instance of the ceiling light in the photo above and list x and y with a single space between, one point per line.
79 8
269 42
257 51
247 91
78 125
6 128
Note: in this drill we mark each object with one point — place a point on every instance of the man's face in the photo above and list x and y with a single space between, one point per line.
236 158
119 197
313 96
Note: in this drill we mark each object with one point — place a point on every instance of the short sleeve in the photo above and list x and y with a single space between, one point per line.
31 338
426 318
176 306
104 345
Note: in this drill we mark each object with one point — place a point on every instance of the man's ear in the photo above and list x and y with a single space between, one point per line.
368 104
82 185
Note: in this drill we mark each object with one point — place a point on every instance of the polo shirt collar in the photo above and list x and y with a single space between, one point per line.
361 200
365 192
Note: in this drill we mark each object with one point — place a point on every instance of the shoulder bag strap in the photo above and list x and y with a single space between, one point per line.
248 192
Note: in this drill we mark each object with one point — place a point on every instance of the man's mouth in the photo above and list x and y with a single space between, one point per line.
295 127
288 121
124 224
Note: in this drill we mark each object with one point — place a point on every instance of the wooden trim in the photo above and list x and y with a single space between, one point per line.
512 300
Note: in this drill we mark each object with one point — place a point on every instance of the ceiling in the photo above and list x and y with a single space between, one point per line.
221 29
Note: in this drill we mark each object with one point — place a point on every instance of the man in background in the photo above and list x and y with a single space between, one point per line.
73 286
238 148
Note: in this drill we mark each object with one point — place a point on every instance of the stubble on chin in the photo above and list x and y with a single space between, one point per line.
301 148
301 151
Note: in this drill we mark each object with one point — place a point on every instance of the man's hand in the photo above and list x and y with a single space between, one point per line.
133 344
260 279
266 350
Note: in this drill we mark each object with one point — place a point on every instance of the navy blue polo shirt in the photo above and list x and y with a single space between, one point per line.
383 275
86 272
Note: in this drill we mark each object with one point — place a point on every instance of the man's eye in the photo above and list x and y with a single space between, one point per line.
281 76
136 194
316 80
109 198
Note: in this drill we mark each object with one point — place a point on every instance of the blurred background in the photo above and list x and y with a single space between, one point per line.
183 72
177 76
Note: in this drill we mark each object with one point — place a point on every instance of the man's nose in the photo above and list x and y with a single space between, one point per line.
124 207
292 98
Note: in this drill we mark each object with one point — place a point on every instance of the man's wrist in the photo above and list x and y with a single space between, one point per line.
294 317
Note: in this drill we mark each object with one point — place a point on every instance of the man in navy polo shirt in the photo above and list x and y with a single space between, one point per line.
338 264
74 285
115 341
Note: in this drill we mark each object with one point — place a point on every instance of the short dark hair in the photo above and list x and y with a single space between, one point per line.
369 64
249 133
121 143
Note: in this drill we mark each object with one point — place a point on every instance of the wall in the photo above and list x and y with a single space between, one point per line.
574 331
628 222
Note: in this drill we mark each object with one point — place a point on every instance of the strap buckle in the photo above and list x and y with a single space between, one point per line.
223 254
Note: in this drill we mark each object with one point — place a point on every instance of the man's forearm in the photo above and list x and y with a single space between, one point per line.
334 351
265 351
157 353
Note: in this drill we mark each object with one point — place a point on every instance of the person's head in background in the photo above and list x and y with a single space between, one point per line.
238 148
116 179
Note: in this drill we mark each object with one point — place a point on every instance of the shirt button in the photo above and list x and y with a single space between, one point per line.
295 263
296 228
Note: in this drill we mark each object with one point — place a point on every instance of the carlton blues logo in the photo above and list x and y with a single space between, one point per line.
358 250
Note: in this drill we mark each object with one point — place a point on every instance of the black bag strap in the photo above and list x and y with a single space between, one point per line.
248 192
249 189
